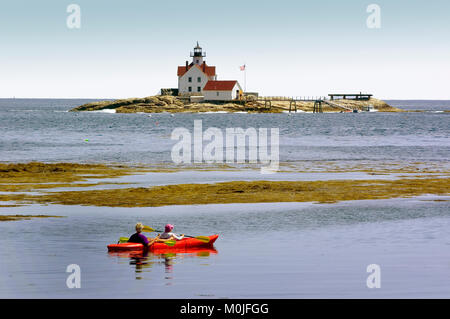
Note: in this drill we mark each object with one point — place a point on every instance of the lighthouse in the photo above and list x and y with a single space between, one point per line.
198 78
192 77
198 55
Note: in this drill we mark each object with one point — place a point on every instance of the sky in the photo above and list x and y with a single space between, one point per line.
290 48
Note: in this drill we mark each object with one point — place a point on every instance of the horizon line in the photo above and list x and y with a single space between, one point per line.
122 98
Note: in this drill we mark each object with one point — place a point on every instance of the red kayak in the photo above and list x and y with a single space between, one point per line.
180 245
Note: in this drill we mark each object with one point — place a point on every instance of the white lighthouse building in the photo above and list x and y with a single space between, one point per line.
198 78
193 77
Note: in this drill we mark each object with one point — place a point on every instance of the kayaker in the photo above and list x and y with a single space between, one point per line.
139 238
169 235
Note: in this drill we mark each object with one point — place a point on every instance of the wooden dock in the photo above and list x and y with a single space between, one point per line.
318 102
351 96
292 101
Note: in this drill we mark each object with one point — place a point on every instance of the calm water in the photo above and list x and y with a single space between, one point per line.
42 130
424 105
276 250
264 250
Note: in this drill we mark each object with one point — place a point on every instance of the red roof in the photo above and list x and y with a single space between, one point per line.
209 70
219 85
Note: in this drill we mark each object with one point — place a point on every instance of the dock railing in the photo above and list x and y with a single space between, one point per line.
318 101
292 98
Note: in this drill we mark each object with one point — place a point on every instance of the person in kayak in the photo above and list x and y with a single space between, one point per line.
169 235
139 238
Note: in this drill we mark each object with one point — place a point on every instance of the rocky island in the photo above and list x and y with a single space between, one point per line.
250 104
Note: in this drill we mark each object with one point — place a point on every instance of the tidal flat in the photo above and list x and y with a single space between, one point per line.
18 179
8 218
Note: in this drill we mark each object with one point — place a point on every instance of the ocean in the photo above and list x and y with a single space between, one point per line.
43 130
268 250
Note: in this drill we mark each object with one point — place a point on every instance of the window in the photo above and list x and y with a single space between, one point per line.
199 79
199 88
190 89
190 79
217 93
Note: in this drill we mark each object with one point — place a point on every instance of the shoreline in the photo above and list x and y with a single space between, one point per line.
174 104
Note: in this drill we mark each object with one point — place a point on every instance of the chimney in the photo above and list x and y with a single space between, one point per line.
187 66
204 66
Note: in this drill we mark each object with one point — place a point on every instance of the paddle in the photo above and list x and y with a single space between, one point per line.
167 242
204 239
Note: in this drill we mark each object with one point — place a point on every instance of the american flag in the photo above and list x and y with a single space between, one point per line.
242 67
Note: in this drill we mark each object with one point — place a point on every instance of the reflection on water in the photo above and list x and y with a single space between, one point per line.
273 250
144 261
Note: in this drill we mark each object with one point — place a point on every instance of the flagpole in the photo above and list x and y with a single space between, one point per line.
245 77
244 68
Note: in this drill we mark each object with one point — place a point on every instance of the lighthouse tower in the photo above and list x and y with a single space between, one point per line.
198 55
193 76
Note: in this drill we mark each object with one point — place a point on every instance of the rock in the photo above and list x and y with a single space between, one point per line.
151 99
162 103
